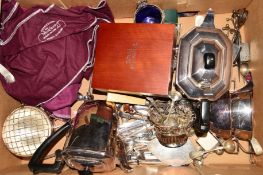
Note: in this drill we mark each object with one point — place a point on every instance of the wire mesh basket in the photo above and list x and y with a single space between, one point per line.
25 129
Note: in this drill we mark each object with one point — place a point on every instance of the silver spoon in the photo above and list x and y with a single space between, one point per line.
174 96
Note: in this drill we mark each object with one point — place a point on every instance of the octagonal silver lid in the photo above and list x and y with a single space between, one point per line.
204 61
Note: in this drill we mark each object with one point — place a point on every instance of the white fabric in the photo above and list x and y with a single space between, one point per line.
7 75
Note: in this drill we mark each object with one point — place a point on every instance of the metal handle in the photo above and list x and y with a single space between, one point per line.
203 123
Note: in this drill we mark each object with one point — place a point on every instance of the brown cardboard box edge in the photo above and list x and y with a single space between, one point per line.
254 35
125 8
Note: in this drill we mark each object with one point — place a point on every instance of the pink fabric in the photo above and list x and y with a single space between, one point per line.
49 52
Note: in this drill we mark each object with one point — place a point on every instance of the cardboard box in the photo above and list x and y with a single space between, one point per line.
123 11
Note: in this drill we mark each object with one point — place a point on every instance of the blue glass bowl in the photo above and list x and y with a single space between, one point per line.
149 14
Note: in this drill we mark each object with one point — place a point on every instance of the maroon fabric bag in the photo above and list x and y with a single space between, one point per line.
48 50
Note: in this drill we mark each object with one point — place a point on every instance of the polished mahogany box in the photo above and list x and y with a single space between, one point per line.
134 58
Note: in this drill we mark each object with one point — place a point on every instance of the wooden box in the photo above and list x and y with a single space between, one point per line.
134 58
